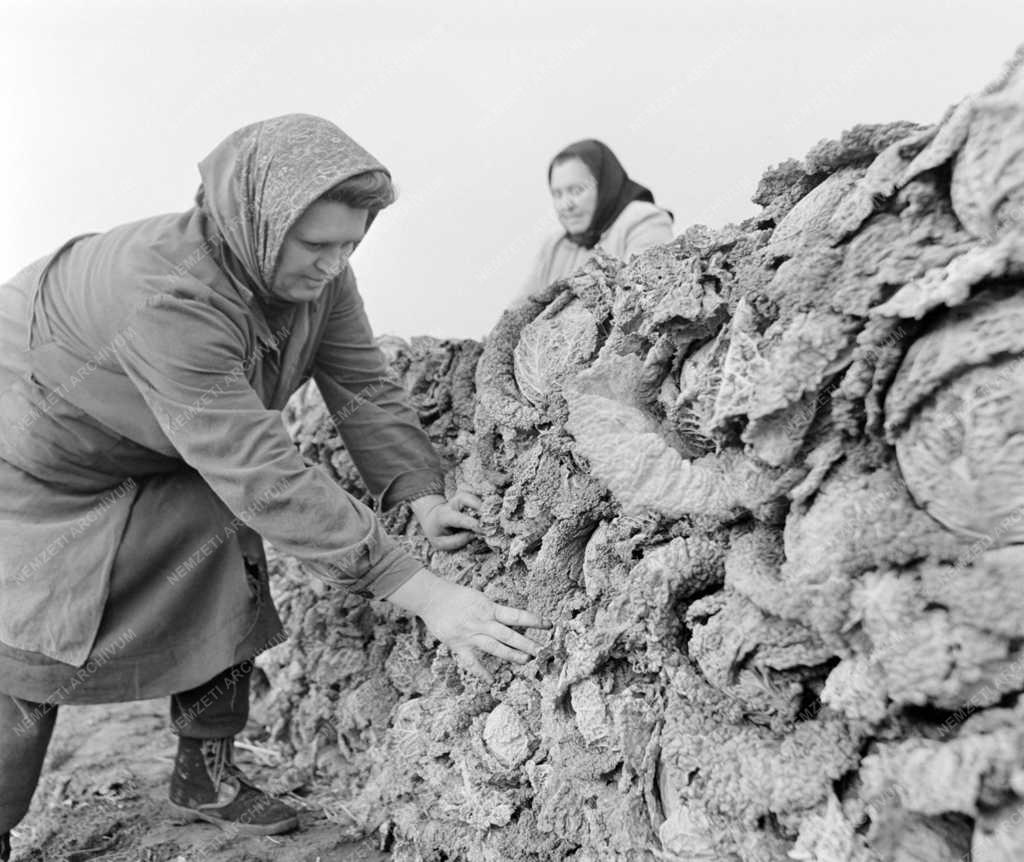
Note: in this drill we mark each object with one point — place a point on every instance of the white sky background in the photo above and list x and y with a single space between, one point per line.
108 106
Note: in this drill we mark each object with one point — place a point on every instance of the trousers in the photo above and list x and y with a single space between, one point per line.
217 708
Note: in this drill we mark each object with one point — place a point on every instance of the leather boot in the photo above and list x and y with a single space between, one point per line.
207 785
25 730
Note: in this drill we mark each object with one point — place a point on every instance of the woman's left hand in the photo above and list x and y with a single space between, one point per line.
446 522
468 622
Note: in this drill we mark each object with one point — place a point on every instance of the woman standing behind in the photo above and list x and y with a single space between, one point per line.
597 205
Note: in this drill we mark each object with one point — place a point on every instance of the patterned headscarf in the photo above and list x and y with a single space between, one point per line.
261 178
615 190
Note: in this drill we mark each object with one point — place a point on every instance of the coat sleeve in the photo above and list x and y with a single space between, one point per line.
370 409
189 364
653 228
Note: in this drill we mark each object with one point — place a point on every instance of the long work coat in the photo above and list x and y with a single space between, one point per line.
143 454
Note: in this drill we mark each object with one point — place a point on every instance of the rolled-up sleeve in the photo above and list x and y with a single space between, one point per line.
188 363
370 408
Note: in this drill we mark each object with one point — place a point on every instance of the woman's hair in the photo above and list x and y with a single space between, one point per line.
371 191
567 155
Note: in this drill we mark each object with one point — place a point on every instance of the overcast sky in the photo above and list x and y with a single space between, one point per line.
108 106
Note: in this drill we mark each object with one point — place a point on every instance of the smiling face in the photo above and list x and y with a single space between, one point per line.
574 194
316 248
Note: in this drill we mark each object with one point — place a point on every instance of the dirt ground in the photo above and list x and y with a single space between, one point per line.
103 795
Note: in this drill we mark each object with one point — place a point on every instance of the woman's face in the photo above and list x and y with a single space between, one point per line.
574 193
316 248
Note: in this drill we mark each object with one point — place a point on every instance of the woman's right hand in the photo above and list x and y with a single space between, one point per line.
466 620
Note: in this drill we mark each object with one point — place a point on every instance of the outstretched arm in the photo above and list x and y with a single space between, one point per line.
381 432
189 364
369 407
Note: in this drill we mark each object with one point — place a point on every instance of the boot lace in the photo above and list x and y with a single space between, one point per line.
219 757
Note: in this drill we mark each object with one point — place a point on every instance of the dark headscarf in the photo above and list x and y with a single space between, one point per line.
615 190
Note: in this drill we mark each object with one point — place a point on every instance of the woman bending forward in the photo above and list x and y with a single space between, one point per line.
143 458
